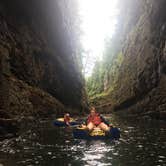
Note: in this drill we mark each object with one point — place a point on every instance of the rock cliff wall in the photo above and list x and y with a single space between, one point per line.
40 71
139 83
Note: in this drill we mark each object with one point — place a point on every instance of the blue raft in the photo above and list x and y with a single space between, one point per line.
81 133
60 122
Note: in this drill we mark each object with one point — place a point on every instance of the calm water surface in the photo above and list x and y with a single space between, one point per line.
142 143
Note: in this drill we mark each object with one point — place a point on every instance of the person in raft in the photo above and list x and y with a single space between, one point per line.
96 120
67 119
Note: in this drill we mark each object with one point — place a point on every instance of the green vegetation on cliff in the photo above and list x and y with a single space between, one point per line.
105 72
131 75
104 81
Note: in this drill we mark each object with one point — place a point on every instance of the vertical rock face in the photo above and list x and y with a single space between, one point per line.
39 66
141 83
135 79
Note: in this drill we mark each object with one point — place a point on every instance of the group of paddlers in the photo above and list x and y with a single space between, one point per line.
93 120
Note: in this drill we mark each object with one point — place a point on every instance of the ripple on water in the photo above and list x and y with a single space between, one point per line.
140 146
161 157
136 143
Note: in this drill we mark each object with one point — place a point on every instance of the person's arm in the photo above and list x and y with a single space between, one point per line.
67 121
104 120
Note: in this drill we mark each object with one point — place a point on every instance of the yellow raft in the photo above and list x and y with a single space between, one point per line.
96 133
60 122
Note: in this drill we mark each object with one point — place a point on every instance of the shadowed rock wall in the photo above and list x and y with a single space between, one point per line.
40 68
141 84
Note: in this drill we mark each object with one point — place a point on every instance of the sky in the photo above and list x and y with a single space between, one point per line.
98 22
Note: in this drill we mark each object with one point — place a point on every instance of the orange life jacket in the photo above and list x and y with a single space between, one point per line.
96 120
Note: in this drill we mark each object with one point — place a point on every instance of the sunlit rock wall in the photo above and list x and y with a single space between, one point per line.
141 83
39 67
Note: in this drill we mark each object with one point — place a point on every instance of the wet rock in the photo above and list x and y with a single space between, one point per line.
139 84
39 69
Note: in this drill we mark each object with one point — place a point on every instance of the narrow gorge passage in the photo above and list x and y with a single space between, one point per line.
64 56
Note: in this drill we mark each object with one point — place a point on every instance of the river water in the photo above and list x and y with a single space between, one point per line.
142 143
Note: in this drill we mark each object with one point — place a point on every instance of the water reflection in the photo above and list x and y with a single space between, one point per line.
95 152
141 144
